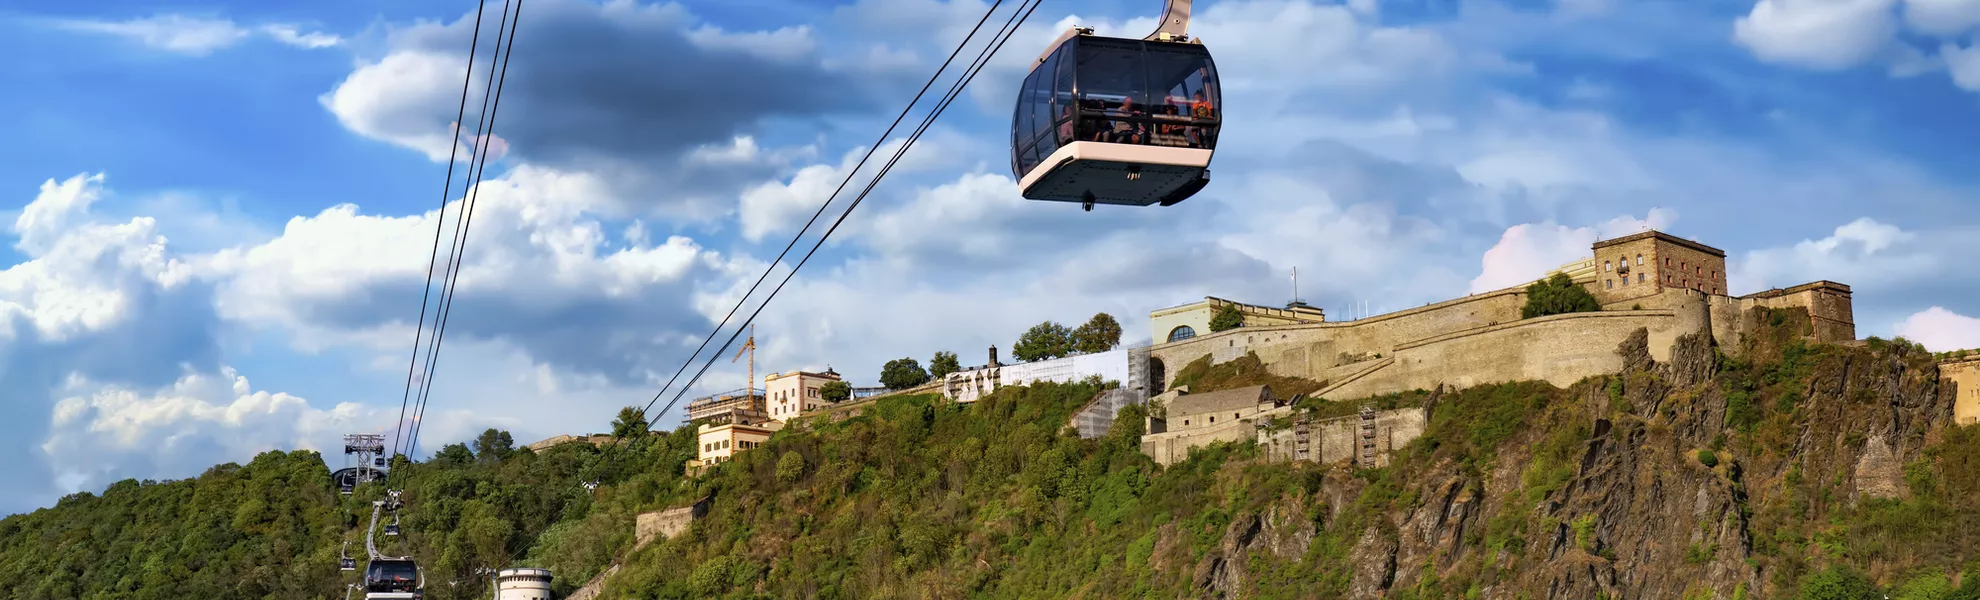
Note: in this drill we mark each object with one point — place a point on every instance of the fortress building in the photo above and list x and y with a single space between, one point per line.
1178 323
1653 281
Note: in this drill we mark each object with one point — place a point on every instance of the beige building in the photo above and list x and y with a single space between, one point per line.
1964 375
721 442
1184 421
1645 264
796 392
1193 319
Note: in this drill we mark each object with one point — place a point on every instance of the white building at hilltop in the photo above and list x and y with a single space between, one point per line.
972 383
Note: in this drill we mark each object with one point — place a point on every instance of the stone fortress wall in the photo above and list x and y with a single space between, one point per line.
1482 339
1963 375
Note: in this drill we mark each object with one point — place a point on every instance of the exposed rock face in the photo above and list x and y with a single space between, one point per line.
1374 559
1222 573
1642 517
1656 502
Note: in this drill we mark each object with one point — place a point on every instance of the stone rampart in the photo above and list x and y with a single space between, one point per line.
1558 349
1312 351
1964 377
1172 447
1338 439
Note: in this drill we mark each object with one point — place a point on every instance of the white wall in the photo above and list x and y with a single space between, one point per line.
1111 365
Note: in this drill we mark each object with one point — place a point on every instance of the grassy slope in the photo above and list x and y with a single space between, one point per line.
923 499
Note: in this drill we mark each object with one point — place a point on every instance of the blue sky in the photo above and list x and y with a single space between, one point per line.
221 211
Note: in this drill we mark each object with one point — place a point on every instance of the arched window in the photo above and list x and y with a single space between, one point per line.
1181 333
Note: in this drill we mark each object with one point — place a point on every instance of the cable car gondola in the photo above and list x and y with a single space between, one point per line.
1105 120
344 560
393 578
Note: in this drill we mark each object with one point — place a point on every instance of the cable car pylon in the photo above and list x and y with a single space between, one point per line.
1107 120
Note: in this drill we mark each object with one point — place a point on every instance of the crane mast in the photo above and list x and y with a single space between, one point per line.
749 385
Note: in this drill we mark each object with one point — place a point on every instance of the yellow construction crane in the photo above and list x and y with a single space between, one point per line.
749 386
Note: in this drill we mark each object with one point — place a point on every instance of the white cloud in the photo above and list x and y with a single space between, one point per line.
1940 330
389 100
175 33
1944 18
1863 252
197 36
105 432
289 34
1963 64
1821 34
82 275
1529 250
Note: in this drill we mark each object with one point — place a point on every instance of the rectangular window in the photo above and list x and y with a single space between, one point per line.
1611 284
1639 260
1605 266
1639 277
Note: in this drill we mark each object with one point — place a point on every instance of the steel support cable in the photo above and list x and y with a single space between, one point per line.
471 199
821 208
481 121
452 154
828 202
955 91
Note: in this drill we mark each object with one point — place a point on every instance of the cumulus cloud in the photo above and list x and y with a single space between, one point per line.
540 270
1529 250
1944 18
197 36
1940 330
101 432
92 298
1823 34
1863 251
633 92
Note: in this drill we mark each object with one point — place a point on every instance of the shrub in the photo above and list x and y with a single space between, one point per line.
1708 458
1557 295
1226 318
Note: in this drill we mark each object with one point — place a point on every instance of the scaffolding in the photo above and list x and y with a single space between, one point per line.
1367 456
1302 438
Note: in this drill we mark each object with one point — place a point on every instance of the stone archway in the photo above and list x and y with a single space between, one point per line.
1158 377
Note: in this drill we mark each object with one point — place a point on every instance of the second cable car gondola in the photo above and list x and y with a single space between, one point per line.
1104 120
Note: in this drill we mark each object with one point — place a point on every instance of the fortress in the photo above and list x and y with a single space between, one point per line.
1652 281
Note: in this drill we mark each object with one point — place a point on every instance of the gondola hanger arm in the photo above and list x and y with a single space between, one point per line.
1175 23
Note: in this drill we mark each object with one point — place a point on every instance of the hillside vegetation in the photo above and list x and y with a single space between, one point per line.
1799 471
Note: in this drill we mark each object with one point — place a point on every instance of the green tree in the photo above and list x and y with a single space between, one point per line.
1557 295
943 364
1043 341
1099 334
790 467
631 423
453 455
494 444
836 391
902 373
1839 583
1227 317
